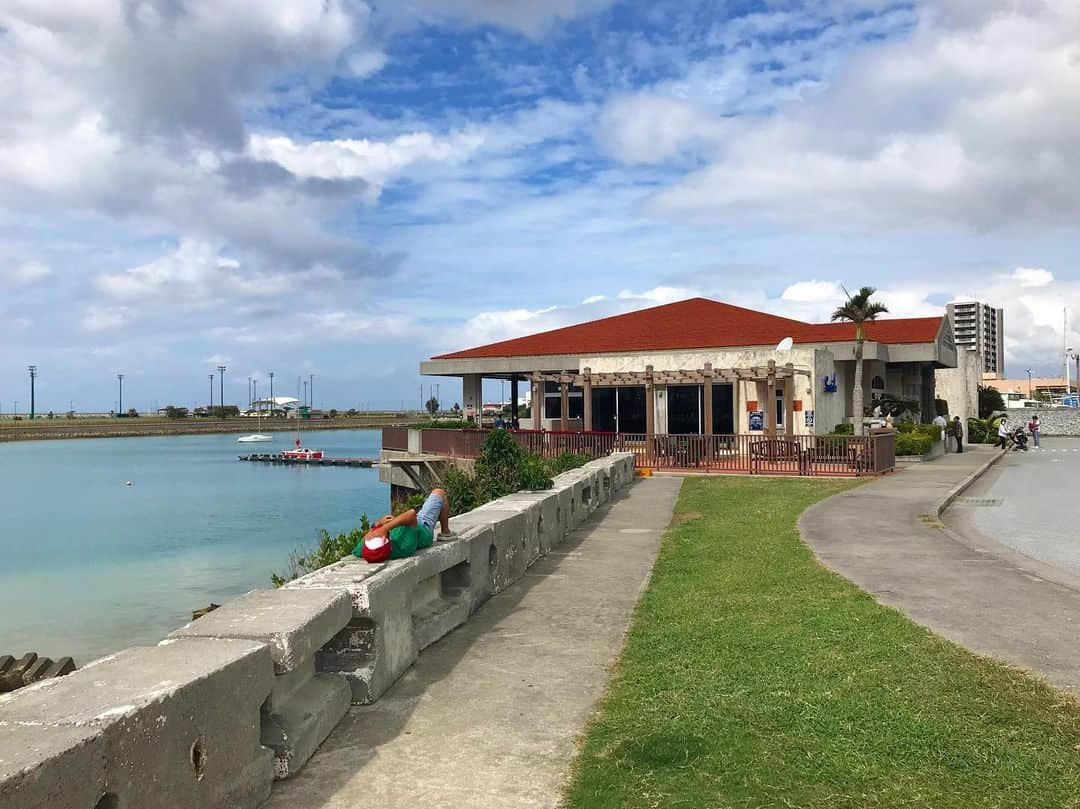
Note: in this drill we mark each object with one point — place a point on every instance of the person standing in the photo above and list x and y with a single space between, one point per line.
1003 434
957 431
1033 428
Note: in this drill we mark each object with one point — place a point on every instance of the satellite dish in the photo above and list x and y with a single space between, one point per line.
785 344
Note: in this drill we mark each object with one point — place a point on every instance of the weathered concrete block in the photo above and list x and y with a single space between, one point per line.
294 623
295 728
546 519
173 725
51 767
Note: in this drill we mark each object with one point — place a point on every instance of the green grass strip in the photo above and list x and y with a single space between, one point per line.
752 676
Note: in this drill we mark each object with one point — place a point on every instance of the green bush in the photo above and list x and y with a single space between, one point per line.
566 462
461 491
844 429
913 444
329 550
905 427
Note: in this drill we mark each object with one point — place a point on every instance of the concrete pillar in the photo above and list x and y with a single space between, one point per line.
587 393
537 404
650 402
564 403
770 400
789 405
472 395
707 409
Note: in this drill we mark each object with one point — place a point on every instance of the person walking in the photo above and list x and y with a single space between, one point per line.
957 431
1033 428
1003 434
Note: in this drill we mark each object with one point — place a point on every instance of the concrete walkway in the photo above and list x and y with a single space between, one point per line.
885 537
488 717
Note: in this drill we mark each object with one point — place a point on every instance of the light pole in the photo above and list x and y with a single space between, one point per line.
211 377
221 382
271 375
1030 395
255 394
120 409
33 376
1068 385
305 394
249 393
311 392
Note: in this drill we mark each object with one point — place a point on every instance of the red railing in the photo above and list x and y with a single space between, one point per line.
841 455
395 438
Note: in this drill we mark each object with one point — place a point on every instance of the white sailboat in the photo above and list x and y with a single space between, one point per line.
255 438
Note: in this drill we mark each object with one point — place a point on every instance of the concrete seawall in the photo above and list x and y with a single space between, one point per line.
213 714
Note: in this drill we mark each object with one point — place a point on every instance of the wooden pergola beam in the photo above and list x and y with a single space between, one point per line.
694 376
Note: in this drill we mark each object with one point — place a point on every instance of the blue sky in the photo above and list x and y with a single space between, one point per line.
343 189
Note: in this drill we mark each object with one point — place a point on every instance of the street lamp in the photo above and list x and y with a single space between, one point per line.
311 392
271 375
221 382
1030 395
211 377
120 409
33 376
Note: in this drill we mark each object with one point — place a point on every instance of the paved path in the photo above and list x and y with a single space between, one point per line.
965 587
488 716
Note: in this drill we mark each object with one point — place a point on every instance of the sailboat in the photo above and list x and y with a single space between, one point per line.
301 453
255 438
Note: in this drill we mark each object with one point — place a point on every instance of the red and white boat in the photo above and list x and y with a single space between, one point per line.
302 453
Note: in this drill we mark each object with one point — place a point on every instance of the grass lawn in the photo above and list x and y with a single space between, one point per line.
752 676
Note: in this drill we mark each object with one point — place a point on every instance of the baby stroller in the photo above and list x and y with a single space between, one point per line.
1018 440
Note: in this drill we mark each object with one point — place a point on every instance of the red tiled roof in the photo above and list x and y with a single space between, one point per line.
695 323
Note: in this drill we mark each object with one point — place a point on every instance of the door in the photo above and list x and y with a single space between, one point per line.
603 410
683 409
723 409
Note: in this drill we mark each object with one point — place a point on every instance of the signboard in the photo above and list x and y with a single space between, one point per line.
757 420
1072 400
809 418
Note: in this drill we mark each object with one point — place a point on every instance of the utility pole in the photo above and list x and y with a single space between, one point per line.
120 409
211 392
271 375
33 376
305 394
1030 396
311 392
249 393
221 382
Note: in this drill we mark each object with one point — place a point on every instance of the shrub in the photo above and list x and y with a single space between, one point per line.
990 401
844 429
913 444
905 427
566 462
329 550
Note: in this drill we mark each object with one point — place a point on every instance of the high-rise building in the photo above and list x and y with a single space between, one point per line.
981 328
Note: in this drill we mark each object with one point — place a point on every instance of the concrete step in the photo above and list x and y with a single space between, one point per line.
295 731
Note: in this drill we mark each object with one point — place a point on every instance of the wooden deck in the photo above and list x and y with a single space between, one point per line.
278 458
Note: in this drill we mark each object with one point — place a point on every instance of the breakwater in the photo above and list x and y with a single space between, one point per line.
210 716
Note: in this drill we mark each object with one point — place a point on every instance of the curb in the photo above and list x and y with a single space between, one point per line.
963 485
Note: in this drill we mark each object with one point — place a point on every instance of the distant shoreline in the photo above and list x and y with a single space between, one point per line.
43 429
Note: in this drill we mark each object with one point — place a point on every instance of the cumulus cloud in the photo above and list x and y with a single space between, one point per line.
28 273
649 128
1032 276
104 318
967 121
813 292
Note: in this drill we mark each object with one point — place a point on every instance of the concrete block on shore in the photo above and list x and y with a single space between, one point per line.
295 728
294 623
173 725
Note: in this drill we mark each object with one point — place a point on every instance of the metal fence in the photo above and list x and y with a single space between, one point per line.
395 438
833 455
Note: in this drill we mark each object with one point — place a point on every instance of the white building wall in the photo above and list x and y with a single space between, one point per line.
959 386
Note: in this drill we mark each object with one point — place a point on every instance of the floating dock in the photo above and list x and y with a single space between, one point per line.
278 458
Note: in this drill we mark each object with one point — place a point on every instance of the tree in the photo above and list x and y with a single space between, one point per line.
860 310
990 401
174 412
432 406
132 413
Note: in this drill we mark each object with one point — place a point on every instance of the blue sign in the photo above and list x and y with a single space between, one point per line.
830 384
1073 400
757 420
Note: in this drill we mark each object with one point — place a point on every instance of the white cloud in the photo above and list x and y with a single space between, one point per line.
647 128
373 161
657 295
104 318
965 122
28 273
813 292
1032 277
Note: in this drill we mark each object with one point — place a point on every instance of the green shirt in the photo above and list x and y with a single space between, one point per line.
405 539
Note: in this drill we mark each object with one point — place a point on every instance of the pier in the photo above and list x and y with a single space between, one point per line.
278 458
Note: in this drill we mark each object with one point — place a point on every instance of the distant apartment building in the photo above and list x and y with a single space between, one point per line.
980 328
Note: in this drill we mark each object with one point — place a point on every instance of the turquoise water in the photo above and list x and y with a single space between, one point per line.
89 565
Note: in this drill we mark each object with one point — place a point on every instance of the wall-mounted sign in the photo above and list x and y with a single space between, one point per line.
809 418
751 406
797 405
830 384
757 420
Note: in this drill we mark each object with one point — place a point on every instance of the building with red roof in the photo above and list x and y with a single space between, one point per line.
703 366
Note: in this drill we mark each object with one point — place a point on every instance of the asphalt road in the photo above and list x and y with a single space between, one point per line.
1030 503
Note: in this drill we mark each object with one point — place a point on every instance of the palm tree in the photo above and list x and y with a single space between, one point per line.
859 309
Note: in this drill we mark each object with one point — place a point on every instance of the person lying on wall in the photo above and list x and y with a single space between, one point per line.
398 537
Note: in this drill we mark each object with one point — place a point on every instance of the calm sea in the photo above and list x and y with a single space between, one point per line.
89 565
